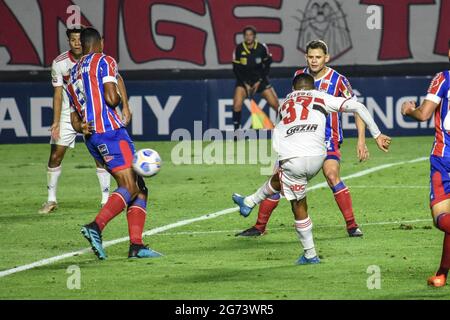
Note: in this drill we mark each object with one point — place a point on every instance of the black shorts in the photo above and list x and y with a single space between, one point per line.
265 84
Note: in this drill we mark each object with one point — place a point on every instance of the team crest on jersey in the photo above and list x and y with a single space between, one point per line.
103 149
325 20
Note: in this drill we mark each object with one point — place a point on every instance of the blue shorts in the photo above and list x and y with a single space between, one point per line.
113 148
439 179
333 150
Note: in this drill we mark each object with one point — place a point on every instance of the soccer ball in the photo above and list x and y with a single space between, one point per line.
146 162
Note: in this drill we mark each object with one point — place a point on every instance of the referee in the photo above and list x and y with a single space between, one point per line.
251 66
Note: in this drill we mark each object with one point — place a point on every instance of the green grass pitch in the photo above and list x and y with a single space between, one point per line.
204 260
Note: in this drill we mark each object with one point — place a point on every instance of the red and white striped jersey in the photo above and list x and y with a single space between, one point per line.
60 76
439 92
86 91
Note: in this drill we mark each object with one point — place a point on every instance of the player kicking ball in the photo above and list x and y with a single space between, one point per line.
62 133
330 81
299 140
437 103
94 96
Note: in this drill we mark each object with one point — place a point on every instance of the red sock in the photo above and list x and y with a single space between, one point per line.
115 205
266 208
443 223
344 202
136 215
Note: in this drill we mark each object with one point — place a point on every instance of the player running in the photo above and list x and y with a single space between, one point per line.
299 140
94 96
62 133
330 81
251 66
437 103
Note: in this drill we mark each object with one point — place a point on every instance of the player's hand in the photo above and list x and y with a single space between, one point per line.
54 131
383 142
362 151
408 107
255 87
87 128
126 115
248 89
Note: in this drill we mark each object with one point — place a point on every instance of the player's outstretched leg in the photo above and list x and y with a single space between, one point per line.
331 170
303 227
246 204
116 203
440 278
136 215
104 180
266 208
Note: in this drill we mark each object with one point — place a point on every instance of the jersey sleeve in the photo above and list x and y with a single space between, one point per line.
344 88
437 89
266 60
238 67
332 103
57 76
108 69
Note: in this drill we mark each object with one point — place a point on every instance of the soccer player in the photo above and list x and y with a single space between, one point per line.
330 81
62 134
94 96
299 140
251 66
437 103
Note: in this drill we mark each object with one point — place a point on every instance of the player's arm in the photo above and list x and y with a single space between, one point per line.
436 92
346 91
57 82
126 112
362 150
239 69
57 105
110 75
266 60
350 105
423 113
79 125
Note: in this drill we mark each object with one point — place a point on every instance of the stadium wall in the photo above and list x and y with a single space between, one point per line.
161 107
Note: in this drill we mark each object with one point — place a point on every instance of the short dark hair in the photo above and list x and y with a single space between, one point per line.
249 28
317 44
303 81
78 29
89 35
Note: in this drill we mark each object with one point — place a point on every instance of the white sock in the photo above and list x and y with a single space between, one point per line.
305 235
263 193
52 182
104 178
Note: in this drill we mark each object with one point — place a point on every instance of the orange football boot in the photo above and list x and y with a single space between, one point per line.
437 281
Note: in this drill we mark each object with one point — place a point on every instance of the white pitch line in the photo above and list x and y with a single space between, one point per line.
54 259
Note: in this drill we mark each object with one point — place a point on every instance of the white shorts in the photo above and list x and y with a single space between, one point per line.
295 173
67 135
